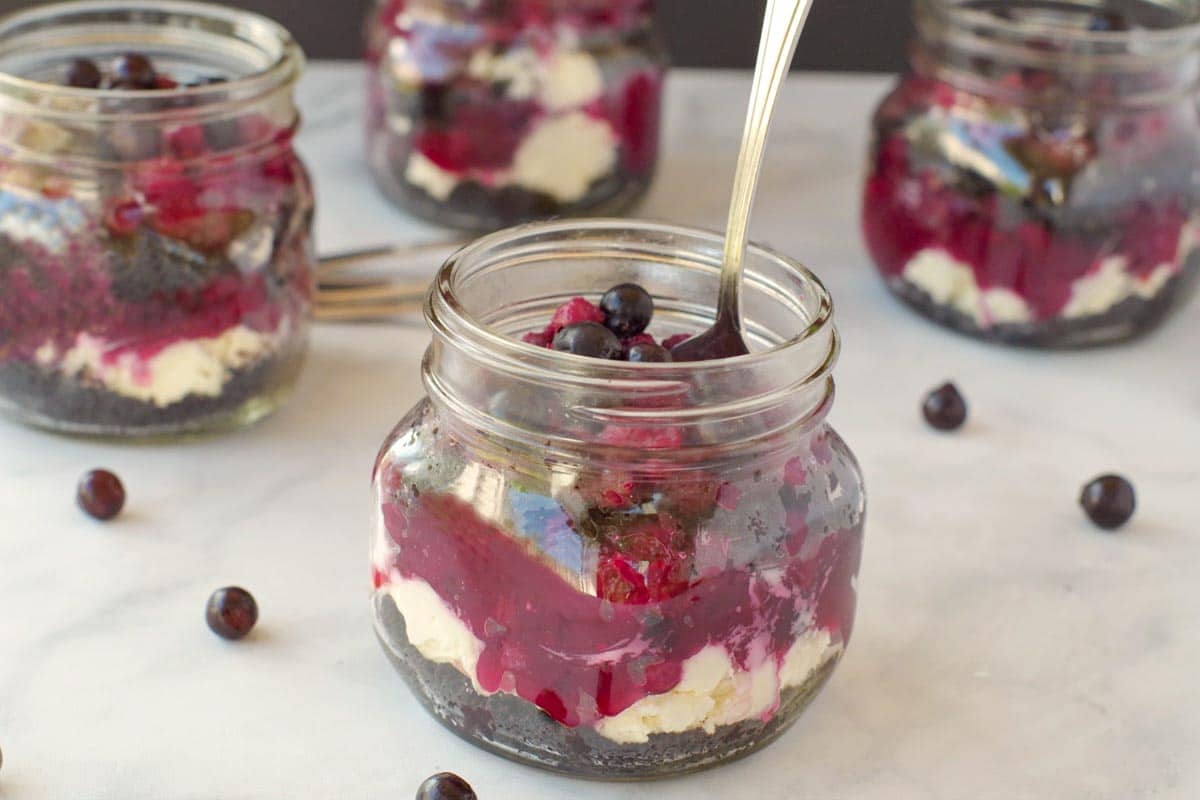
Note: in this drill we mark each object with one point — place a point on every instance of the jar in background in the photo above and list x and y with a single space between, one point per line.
486 114
156 261
1035 178
614 569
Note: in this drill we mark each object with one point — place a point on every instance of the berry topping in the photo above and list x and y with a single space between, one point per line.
1109 501
671 342
573 311
446 786
945 408
133 71
101 494
84 74
537 338
627 309
649 354
231 612
589 339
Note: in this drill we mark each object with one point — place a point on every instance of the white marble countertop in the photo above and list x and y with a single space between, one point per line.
1005 649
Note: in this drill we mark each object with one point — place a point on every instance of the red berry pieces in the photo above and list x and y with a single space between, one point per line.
671 342
1109 501
945 408
628 309
84 74
100 494
446 786
590 339
648 354
573 311
231 613
133 71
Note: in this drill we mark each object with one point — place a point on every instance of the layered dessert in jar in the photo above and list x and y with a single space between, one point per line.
589 558
1035 178
487 114
156 263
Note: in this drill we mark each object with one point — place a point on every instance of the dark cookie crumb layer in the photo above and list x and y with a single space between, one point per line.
515 729
1131 317
57 402
475 207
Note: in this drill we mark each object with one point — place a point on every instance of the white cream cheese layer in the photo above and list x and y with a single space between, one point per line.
189 367
713 692
564 155
564 152
951 283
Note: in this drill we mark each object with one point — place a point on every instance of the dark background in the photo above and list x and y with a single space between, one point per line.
841 34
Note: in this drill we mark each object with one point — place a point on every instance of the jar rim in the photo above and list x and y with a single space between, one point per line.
284 70
443 309
961 13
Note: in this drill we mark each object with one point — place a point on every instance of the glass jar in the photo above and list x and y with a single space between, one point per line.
1035 177
613 569
156 262
484 114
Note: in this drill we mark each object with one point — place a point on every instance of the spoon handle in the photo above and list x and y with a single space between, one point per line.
781 32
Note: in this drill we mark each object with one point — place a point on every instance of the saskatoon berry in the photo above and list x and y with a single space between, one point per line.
1109 501
589 339
101 494
231 612
647 353
84 74
627 309
446 786
133 71
945 408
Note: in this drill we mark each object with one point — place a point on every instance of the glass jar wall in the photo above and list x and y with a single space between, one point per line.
487 114
614 569
155 223
1035 178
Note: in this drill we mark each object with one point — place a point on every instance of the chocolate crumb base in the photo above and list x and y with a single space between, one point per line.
1126 320
60 403
477 208
516 729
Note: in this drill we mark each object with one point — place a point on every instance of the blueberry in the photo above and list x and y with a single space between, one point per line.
647 353
231 612
133 71
1109 501
628 309
945 408
84 74
446 786
589 339
101 494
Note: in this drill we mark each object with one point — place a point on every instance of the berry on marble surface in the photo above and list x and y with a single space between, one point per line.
101 494
1109 501
944 408
231 613
446 786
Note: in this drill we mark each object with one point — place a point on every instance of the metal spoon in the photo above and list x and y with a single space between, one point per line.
781 32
